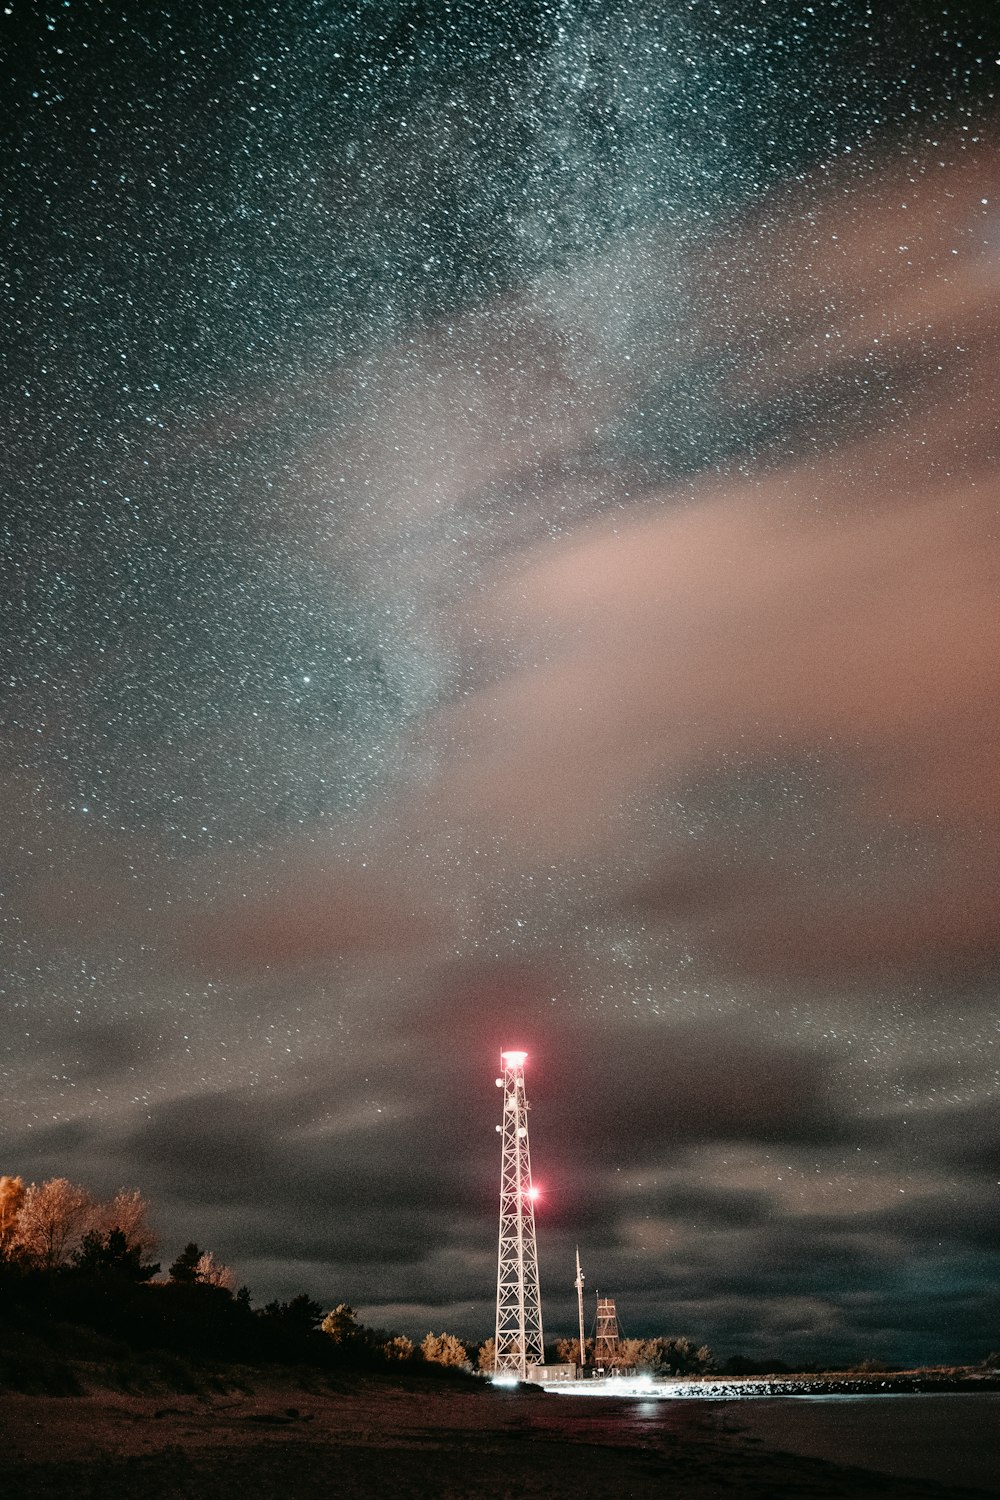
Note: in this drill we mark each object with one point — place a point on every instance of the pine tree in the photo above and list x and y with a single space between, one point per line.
185 1267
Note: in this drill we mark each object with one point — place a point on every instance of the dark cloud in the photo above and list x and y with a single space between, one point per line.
710 1208
718 1182
962 1138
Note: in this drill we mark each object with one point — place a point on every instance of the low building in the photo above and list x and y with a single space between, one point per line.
547 1374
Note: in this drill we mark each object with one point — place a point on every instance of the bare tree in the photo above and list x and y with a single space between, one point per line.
212 1272
128 1211
52 1221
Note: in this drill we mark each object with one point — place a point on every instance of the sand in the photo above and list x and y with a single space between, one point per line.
377 1439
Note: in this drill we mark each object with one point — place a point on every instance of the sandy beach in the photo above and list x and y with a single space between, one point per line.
400 1440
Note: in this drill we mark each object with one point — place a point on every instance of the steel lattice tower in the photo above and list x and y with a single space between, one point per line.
519 1303
607 1340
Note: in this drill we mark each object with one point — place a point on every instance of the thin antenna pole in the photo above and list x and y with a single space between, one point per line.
579 1304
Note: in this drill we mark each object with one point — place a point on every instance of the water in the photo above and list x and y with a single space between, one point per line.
951 1438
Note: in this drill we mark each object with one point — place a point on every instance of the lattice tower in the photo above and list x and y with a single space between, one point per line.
607 1339
519 1303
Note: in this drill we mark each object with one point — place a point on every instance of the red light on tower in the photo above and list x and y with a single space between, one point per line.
513 1059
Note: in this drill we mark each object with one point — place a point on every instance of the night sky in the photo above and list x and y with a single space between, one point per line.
500 548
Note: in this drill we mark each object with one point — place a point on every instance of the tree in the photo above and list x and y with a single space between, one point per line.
341 1324
47 1224
128 1211
444 1349
298 1316
212 1272
52 1221
631 1353
197 1267
568 1351
487 1357
112 1255
398 1347
185 1268
674 1356
11 1200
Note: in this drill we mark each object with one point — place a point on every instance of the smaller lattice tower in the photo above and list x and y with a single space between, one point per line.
519 1303
607 1339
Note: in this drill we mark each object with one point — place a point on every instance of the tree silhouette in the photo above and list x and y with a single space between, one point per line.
112 1255
185 1268
298 1316
128 1211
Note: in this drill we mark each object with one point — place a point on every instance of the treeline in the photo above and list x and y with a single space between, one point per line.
69 1260
656 1356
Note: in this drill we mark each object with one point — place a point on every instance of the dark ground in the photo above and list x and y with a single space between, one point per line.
380 1439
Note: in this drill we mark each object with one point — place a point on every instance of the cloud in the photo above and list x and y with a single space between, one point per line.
759 1228
719 719
811 631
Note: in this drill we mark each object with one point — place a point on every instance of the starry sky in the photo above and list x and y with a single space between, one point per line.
499 549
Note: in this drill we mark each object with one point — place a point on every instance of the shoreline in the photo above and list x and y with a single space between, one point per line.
303 1440
744 1388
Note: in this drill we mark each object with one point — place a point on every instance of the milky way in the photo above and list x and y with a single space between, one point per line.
500 549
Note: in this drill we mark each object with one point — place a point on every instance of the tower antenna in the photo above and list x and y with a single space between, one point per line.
519 1303
579 1305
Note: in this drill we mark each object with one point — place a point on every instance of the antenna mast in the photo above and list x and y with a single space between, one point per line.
519 1303
579 1304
